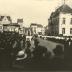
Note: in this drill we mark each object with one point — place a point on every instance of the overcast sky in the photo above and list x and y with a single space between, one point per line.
32 11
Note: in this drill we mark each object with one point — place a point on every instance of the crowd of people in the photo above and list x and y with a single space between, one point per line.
10 44
67 42
62 58
49 61
41 59
38 58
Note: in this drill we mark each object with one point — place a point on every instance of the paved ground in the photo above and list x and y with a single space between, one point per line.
48 44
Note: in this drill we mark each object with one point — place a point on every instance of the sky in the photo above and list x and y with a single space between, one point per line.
32 11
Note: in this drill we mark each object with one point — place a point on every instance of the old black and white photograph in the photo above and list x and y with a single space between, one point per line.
35 35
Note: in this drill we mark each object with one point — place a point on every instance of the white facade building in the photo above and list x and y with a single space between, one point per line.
65 28
7 25
60 21
34 28
37 29
4 20
14 27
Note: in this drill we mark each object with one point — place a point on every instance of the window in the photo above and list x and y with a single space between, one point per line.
0 27
34 30
70 30
71 21
64 20
5 28
63 30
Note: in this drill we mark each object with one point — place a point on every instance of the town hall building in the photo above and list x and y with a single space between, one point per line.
60 22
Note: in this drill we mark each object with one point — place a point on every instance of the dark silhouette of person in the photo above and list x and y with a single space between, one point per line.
27 50
39 53
68 53
58 60
24 40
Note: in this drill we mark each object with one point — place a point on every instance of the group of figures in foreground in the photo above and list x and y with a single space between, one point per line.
37 58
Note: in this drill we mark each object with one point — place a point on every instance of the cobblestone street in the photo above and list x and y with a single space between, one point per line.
48 44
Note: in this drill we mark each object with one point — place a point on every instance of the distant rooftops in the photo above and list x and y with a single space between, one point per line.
8 17
64 9
38 25
13 24
20 20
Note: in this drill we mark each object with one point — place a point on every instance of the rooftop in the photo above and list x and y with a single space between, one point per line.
64 9
13 24
8 17
38 25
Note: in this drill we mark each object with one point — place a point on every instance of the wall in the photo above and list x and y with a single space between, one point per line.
67 26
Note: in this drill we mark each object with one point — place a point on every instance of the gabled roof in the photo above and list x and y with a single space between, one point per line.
13 24
38 25
8 17
64 8
33 24
1 17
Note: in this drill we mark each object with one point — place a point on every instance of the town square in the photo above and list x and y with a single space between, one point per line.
28 43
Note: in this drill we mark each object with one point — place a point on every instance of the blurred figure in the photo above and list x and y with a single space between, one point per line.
39 53
27 50
24 40
28 43
36 42
58 60
68 52
69 42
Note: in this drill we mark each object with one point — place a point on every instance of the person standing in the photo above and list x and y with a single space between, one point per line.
28 44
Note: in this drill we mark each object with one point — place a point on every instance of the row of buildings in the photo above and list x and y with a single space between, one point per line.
6 24
35 29
60 22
